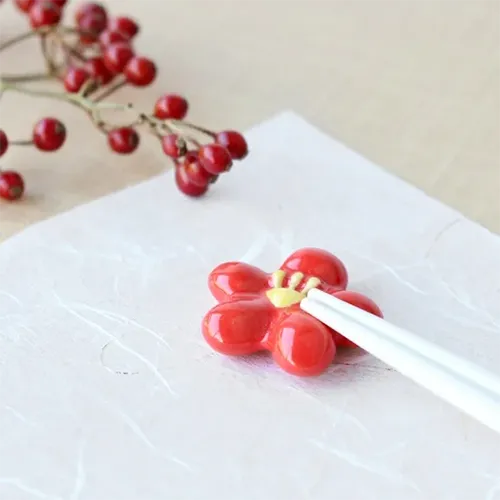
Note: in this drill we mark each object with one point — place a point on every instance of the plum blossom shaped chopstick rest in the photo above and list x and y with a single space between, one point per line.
261 311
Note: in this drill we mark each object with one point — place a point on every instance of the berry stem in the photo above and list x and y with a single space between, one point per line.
155 124
32 77
71 51
77 99
111 90
17 39
173 126
92 61
193 127
27 142
49 63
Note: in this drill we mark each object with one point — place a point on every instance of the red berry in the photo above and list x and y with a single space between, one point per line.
49 134
59 3
214 158
11 185
234 142
185 185
24 5
107 37
75 78
171 106
44 13
117 55
91 8
124 25
173 145
92 25
98 70
123 140
196 173
140 71
4 142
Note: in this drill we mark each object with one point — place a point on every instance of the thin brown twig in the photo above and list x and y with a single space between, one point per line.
93 107
70 50
194 127
175 126
70 30
49 63
76 99
193 141
27 142
111 90
157 124
100 124
17 39
32 77
88 87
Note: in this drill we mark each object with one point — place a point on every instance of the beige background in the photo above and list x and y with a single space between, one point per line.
412 85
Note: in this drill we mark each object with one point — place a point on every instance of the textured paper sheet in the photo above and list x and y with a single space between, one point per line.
108 392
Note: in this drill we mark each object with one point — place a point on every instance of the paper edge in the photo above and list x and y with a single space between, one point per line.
287 114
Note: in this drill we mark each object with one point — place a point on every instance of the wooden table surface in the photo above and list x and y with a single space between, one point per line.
412 85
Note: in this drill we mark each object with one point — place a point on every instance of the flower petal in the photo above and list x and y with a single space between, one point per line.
236 277
302 345
240 325
320 264
358 300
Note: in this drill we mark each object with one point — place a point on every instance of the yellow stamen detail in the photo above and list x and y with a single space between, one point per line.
311 283
295 280
277 278
284 297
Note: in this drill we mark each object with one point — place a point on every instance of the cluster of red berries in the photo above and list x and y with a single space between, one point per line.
113 36
103 57
196 168
49 134
200 168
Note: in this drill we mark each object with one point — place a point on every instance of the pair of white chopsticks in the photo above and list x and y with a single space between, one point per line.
456 380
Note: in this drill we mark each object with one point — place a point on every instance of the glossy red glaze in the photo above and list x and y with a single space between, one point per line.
260 311
233 278
302 345
358 300
239 326
320 263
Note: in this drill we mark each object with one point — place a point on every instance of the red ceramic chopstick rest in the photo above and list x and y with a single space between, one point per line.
260 311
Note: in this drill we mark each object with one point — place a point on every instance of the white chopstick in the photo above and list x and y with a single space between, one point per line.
467 386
